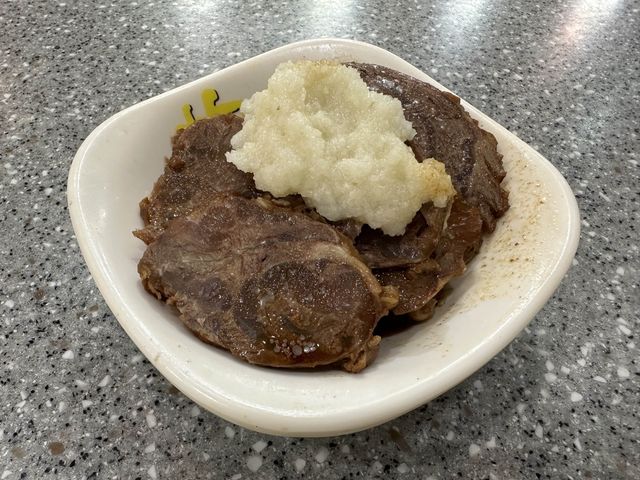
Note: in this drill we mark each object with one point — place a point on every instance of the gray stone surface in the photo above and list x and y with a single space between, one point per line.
77 400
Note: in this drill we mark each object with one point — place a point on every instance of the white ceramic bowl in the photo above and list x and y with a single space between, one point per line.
516 272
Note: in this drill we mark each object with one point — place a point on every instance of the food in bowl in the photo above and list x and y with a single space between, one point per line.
266 275
318 131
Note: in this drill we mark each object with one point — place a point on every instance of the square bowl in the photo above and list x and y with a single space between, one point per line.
517 270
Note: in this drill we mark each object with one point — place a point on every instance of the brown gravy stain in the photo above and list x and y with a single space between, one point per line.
56 448
515 253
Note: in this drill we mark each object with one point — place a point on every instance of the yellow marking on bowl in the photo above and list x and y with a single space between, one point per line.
211 106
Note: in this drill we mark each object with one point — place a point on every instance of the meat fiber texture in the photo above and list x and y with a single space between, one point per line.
276 284
271 285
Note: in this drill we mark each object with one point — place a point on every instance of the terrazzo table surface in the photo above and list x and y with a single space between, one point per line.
78 400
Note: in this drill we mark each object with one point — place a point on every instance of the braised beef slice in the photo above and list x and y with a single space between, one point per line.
196 170
463 236
416 245
446 132
267 283
349 227
418 284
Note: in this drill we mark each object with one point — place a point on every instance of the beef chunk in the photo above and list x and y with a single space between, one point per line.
196 170
418 284
349 227
416 245
463 236
267 283
446 132
431 252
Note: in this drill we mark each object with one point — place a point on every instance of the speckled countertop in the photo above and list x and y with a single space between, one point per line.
78 400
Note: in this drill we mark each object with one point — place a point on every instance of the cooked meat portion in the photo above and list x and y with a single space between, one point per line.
349 227
419 283
446 132
275 283
270 284
432 251
416 245
196 170
463 236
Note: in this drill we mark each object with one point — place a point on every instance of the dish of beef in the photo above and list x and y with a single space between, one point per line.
267 283
276 284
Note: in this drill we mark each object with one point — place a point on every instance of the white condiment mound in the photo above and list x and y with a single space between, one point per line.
318 131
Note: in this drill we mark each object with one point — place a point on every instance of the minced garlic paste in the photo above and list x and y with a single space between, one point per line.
318 131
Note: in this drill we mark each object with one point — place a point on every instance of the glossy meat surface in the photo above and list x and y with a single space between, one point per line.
269 284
